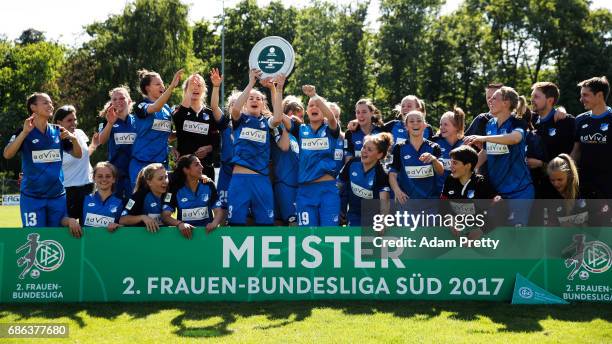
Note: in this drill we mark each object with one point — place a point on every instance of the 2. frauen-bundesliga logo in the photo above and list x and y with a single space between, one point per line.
591 256
46 255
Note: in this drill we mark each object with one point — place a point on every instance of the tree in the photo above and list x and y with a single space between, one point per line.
30 36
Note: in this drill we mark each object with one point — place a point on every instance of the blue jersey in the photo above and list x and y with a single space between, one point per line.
417 179
101 213
120 142
445 159
358 184
317 151
286 164
252 143
338 143
397 129
41 162
144 202
507 170
353 141
195 208
152 132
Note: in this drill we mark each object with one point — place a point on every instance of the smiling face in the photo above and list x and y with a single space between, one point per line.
255 103
415 124
69 122
156 88
120 101
43 106
159 182
363 114
459 169
369 153
558 179
447 128
588 98
314 113
194 170
409 104
104 178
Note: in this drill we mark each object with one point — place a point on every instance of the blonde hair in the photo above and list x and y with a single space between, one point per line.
457 118
231 99
510 95
123 89
202 82
145 175
420 106
414 113
564 163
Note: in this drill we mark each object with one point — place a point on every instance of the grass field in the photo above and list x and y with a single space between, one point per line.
306 322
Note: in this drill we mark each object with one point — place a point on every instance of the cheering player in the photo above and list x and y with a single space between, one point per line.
42 145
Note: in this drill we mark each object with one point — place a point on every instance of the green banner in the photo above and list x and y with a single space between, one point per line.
254 264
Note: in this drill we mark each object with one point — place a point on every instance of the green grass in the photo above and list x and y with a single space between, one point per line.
9 216
457 322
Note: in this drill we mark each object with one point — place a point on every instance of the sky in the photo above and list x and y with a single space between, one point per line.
63 20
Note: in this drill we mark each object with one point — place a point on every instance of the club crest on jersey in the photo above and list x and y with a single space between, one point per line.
167 198
470 194
262 125
604 127
552 132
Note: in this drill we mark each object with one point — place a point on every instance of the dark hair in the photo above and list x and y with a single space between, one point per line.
597 85
62 112
382 141
549 89
494 85
145 79
376 120
466 155
32 99
178 176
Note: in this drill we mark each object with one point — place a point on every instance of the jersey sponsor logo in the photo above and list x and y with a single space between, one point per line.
156 218
594 138
576 219
130 204
124 138
195 127
194 214
552 132
604 127
162 125
47 155
361 191
497 149
338 153
254 135
315 144
95 220
419 171
294 147
463 208
446 163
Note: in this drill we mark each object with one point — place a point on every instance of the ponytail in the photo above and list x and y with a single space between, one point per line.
145 175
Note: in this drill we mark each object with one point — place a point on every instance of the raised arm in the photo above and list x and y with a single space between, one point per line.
111 118
15 144
216 79
163 99
311 92
239 103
